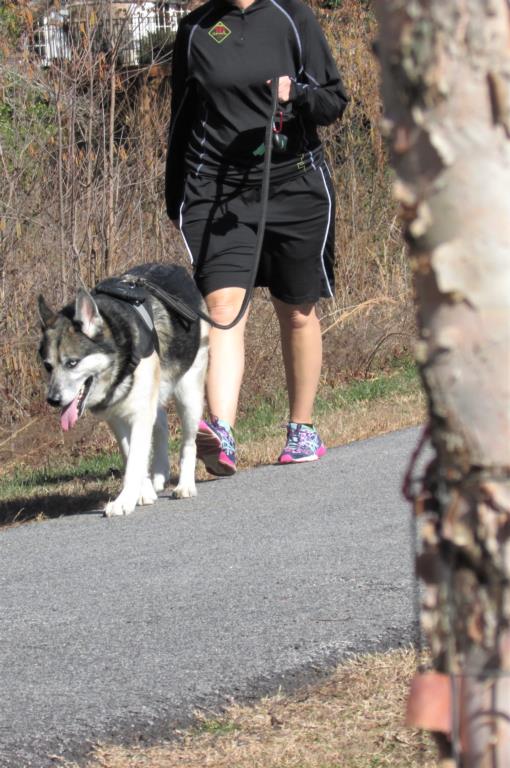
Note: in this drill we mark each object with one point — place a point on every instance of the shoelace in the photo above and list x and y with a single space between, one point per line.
294 436
301 438
227 438
228 442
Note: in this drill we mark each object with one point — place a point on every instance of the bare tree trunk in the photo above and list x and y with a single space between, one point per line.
446 90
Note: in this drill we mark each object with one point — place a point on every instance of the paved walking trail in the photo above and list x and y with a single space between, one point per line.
114 628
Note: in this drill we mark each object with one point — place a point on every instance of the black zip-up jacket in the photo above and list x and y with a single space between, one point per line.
223 58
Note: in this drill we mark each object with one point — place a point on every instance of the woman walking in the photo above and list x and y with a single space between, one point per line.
226 55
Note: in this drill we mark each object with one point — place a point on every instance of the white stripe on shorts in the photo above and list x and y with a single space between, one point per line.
182 233
327 233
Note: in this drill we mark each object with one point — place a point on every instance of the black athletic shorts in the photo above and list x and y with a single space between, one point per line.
219 223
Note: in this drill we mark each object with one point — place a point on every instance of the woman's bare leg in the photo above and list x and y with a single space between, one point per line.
301 340
226 357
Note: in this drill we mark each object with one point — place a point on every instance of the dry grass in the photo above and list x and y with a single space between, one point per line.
353 720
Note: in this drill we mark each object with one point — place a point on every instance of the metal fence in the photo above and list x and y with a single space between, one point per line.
136 33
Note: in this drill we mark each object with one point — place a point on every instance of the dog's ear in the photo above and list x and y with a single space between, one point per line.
46 314
87 314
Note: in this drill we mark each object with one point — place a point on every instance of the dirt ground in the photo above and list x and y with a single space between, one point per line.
35 441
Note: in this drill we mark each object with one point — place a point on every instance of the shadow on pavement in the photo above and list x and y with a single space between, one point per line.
22 510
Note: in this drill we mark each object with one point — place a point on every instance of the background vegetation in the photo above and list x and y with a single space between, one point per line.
82 149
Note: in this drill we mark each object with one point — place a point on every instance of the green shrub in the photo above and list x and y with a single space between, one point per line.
11 24
27 121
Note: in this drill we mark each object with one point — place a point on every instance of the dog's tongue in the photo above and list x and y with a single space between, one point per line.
69 415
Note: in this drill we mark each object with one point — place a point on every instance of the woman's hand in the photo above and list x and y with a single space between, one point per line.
284 85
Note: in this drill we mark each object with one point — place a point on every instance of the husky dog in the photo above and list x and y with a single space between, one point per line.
123 361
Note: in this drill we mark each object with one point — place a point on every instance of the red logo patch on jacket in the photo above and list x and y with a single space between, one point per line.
219 32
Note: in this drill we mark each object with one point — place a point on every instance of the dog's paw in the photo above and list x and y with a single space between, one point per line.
159 481
119 506
148 494
183 491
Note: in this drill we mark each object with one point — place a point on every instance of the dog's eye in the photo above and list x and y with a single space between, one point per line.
48 366
71 363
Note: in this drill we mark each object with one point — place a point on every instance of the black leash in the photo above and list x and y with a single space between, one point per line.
177 304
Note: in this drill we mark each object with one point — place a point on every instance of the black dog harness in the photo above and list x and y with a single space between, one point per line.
127 290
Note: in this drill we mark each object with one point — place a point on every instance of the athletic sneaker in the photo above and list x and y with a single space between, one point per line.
303 444
216 447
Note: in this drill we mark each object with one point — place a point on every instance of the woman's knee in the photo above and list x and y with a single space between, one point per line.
224 304
295 316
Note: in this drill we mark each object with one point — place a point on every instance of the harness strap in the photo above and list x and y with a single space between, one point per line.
168 299
147 319
135 297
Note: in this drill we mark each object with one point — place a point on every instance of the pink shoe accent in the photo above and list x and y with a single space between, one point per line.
209 450
223 459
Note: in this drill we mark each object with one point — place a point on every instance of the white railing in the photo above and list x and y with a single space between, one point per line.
140 33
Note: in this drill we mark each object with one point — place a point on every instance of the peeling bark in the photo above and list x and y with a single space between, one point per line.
446 91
